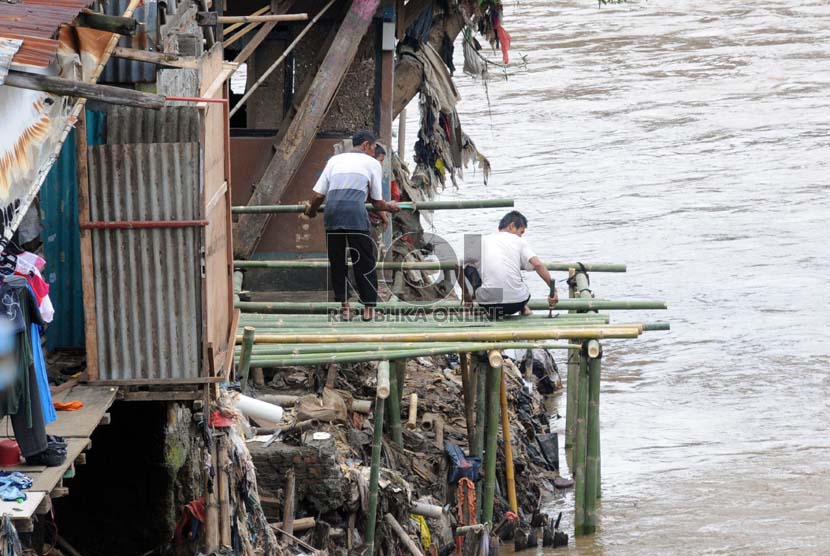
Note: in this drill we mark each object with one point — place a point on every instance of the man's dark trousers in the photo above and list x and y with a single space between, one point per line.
361 247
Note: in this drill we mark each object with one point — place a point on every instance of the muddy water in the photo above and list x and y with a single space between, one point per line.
691 140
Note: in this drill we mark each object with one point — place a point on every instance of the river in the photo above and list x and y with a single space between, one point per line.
690 140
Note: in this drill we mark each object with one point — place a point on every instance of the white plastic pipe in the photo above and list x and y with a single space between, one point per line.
258 409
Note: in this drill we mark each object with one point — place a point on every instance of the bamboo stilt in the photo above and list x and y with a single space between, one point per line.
425 205
288 506
592 456
244 368
468 390
481 420
581 447
572 385
400 369
223 484
377 441
494 379
510 478
383 380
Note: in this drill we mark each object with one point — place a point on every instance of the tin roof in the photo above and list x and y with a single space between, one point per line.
35 22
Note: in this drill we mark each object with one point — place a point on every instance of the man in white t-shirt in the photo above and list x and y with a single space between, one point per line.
347 181
495 269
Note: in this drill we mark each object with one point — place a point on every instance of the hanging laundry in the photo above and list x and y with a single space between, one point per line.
49 415
29 266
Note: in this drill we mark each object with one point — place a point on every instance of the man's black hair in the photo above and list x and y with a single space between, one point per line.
362 136
379 151
513 217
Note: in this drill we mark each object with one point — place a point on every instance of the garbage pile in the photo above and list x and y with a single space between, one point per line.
313 468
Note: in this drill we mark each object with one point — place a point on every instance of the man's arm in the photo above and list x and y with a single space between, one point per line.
388 206
544 274
313 205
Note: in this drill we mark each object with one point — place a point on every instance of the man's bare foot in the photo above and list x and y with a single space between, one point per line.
526 312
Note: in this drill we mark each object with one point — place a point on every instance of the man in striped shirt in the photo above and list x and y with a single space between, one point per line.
346 182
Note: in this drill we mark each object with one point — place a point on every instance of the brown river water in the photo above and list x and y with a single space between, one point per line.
690 140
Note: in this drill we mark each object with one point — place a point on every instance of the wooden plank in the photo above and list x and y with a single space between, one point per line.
87 266
158 58
163 396
23 510
80 423
292 150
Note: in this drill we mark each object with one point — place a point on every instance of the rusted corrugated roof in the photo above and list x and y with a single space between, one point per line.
36 22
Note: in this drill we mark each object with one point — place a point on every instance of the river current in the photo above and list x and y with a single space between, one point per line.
690 140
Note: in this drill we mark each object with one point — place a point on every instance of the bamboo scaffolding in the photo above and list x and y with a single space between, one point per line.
593 448
573 377
581 446
328 349
444 307
383 322
425 205
582 333
494 379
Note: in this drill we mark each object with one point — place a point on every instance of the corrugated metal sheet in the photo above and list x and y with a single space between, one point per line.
61 241
178 124
119 70
148 281
36 21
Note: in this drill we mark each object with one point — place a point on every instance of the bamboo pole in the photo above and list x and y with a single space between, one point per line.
261 350
510 478
230 28
374 475
383 324
356 357
244 369
223 485
581 447
593 450
481 420
573 377
279 60
226 19
412 416
382 265
494 379
399 367
402 536
394 408
468 390
300 524
406 206
583 333
383 380
445 307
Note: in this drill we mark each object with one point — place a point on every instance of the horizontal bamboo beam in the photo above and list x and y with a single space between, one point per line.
402 307
111 23
581 333
411 265
422 321
68 87
263 350
158 58
227 19
425 205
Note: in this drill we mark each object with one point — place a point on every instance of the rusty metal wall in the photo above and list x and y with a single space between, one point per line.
147 281
177 124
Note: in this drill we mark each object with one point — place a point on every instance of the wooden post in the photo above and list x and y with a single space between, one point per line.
592 457
510 478
374 475
87 263
288 506
70 88
212 507
402 134
494 379
111 23
224 491
292 150
581 446
158 58
245 356
410 545
394 408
